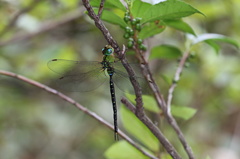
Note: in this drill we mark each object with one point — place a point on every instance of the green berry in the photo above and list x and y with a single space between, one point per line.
143 47
128 29
139 41
138 27
138 20
134 22
126 35
130 39
130 44
131 33
127 18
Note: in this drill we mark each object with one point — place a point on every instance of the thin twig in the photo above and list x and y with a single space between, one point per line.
47 26
12 22
155 130
170 118
101 8
79 106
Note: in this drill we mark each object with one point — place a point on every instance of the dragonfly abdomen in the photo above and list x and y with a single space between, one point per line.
113 97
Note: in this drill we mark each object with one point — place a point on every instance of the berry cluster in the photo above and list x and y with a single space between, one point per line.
131 32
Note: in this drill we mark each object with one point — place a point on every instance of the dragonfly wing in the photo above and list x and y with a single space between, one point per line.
121 78
122 81
69 67
82 82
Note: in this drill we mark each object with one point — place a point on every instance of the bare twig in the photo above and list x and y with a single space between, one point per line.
79 106
101 8
12 22
170 118
48 26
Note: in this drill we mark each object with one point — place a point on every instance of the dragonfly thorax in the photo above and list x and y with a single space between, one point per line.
107 66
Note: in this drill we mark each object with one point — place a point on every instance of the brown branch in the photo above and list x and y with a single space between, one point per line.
47 26
79 106
101 8
12 22
155 130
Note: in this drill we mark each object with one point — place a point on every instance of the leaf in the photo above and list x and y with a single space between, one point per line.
165 52
117 149
149 102
151 29
172 9
136 128
166 79
111 17
183 112
213 44
108 4
211 39
180 25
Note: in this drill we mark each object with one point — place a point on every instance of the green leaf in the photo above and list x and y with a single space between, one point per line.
167 79
183 112
136 128
117 149
111 17
108 4
213 44
171 9
149 102
165 52
151 29
180 25
211 39
139 8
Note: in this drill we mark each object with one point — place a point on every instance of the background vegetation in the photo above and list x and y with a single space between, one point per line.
36 124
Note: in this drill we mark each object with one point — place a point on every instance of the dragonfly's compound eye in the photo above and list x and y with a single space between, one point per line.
107 51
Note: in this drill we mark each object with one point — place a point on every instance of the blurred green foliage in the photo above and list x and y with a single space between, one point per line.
35 124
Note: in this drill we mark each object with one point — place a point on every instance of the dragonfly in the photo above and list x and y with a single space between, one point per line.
76 74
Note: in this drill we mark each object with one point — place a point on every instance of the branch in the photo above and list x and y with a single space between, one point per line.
155 130
166 107
12 22
170 118
101 8
79 106
47 26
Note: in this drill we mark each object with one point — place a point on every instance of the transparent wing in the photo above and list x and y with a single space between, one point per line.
82 82
122 81
69 67
135 66
77 76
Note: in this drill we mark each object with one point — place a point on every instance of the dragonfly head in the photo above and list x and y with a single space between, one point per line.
108 50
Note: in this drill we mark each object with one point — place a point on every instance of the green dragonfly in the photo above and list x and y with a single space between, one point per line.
76 74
